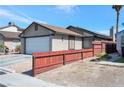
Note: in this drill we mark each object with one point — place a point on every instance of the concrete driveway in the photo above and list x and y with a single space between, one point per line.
10 59
19 65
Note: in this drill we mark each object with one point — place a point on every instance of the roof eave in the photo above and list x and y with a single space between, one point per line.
95 34
68 34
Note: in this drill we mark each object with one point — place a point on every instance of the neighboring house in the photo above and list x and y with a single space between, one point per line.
43 38
89 36
9 36
120 42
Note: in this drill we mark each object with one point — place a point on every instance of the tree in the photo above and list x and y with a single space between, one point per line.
117 9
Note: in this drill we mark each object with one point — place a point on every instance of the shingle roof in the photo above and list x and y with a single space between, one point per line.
60 29
56 29
10 35
91 32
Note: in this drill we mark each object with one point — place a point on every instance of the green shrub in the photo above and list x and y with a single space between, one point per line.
120 60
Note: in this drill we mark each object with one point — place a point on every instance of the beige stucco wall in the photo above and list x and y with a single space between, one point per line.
11 44
1 39
78 43
22 45
60 42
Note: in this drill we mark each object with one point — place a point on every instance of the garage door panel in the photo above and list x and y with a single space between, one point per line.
37 44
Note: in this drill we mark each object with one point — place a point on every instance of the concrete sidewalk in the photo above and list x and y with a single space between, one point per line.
11 79
109 63
20 80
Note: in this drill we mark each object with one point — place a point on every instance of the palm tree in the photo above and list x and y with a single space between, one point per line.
117 9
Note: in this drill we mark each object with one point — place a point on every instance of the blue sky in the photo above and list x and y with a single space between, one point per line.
93 17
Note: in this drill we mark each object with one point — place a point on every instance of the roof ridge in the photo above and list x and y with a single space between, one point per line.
48 26
90 31
53 26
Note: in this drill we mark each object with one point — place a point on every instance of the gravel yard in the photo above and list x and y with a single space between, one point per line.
85 74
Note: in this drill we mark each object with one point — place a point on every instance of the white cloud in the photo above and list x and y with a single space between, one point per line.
18 17
66 8
9 15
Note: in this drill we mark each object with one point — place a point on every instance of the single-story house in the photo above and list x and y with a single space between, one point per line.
120 42
39 37
89 36
9 36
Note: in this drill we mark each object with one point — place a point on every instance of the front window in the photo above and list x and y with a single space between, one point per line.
87 43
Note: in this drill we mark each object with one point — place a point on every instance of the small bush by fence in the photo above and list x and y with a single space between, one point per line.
49 60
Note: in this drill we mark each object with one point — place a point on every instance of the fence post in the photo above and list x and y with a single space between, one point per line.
33 66
81 54
93 49
64 63
101 47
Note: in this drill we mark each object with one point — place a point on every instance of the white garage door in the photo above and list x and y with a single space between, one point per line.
37 44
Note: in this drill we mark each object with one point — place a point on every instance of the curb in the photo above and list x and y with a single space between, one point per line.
111 64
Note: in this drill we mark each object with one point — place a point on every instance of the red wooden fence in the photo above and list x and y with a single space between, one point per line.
97 47
48 60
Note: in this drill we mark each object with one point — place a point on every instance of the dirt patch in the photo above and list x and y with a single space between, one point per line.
83 73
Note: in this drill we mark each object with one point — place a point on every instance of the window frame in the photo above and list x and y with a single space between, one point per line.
70 40
90 40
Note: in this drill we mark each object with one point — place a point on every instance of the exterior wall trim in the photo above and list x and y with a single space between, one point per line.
24 46
50 42
37 36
